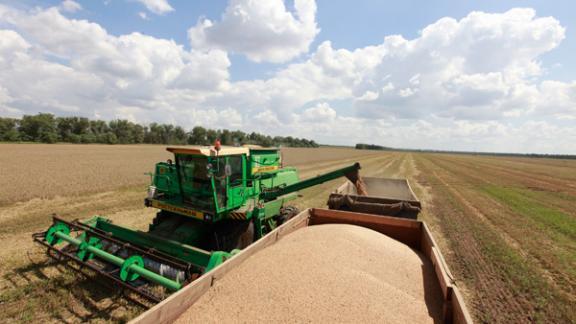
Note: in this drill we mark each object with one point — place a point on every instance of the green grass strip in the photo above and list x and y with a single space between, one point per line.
522 202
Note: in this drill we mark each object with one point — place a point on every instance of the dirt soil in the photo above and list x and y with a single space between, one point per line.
507 226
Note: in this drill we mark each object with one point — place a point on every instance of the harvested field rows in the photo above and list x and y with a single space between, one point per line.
507 226
510 233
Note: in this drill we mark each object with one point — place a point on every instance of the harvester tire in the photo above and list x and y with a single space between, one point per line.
286 213
232 234
247 237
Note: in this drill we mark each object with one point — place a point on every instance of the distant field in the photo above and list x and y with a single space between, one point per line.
506 225
48 170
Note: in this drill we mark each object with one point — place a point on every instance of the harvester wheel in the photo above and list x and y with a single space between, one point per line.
286 213
160 216
247 237
232 234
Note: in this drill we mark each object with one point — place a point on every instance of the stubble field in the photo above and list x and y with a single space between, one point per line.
507 226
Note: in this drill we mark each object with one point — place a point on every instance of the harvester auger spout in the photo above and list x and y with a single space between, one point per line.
350 172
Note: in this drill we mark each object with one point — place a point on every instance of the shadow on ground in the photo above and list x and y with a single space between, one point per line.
46 290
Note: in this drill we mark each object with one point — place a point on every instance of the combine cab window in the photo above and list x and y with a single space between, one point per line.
220 181
227 175
198 172
235 165
195 182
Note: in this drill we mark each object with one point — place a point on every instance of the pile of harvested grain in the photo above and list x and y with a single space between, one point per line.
325 273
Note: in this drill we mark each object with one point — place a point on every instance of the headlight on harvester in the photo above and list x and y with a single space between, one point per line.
151 192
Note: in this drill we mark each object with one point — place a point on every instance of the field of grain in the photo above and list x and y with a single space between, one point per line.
507 226
47 170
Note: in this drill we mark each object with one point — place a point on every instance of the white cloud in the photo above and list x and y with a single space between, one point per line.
262 30
102 74
433 91
143 15
369 96
479 67
322 112
158 7
70 6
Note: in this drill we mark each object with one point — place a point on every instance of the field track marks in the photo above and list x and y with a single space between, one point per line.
549 196
502 222
547 167
540 283
482 277
546 249
544 181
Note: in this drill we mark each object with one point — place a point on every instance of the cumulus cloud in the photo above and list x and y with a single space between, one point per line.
262 30
322 112
70 6
473 68
470 84
101 72
158 7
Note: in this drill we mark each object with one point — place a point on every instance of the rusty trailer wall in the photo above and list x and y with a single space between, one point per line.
388 197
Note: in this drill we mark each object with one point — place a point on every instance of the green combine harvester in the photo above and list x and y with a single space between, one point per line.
212 202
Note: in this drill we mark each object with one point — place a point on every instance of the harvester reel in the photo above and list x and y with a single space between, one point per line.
125 273
83 253
51 237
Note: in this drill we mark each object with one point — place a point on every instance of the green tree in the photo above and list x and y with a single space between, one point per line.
138 133
9 130
198 136
88 138
180 136
211 136
226 137
39 128
126 132
110 138
46 128
153 134
98 127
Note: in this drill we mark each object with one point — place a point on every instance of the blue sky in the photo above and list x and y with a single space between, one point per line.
347 24
502 75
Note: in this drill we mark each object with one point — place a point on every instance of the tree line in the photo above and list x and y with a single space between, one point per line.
362 146
531 155
47 128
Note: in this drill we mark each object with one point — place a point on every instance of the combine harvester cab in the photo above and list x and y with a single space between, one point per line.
212 201
381 196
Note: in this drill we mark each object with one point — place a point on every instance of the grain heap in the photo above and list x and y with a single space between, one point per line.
325 273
